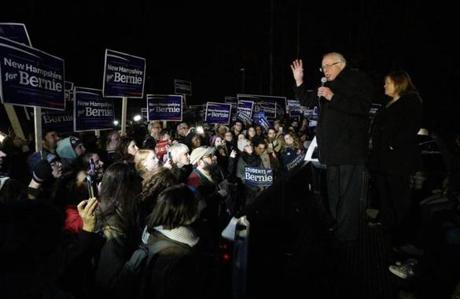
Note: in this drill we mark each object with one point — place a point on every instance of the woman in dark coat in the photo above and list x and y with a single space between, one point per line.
174 270
395 155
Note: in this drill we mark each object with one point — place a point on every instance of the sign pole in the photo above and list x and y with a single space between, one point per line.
14 121
124 112
38 128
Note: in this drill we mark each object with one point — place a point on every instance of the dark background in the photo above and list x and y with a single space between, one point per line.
209 44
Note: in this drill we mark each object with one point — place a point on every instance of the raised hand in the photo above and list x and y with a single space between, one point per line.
86 211
297 71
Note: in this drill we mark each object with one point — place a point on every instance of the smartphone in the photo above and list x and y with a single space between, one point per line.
90 185
92 168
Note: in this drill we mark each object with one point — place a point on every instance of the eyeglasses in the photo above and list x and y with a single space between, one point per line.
326 66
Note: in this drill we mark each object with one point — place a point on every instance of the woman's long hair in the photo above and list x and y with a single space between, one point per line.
119 195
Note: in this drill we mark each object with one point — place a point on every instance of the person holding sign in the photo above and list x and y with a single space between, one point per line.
342 133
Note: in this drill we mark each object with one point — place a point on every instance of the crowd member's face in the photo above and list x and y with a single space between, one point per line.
156 128
99 165
51 139
288 139
151 162
332 66
196 141
276 125
182 159
228 137
208 162
251 132
167 137
182 131
80 150
258 131
132 148
56 167
114 141
390 88
218 141
260 149
241 137
271 134
248 149
238 126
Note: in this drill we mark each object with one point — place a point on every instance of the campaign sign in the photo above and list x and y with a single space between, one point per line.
218 113
296 162
234 102
30 77
294 108
15 31
182 87
258 177
165 107
60 121
91 110
261 120
268 106
124 75
244 110
273 106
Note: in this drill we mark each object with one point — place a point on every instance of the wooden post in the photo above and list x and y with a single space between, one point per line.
124 111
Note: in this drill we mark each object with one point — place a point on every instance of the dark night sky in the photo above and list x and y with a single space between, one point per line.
209 43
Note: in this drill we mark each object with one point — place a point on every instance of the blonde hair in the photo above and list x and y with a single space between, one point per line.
139 159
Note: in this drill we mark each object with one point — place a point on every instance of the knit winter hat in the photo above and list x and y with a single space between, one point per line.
200 152
42 170
66 147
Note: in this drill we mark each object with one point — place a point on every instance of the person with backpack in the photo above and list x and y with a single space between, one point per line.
167 264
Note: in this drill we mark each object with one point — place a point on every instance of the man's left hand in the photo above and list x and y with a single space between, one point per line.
325 92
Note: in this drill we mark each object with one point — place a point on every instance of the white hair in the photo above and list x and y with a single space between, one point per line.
176 149
337 55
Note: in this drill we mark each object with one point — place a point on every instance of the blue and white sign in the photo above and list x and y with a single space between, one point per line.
218 113
244 111
165 107
124 75
273 106
258 177
91 110
298 160
30 77
294 108
312 115
15 31
261 120
234 102
60 121
182 87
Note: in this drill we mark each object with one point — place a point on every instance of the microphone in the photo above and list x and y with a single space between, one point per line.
323 80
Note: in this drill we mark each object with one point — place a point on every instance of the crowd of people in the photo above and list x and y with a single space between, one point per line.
124 216
113 195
